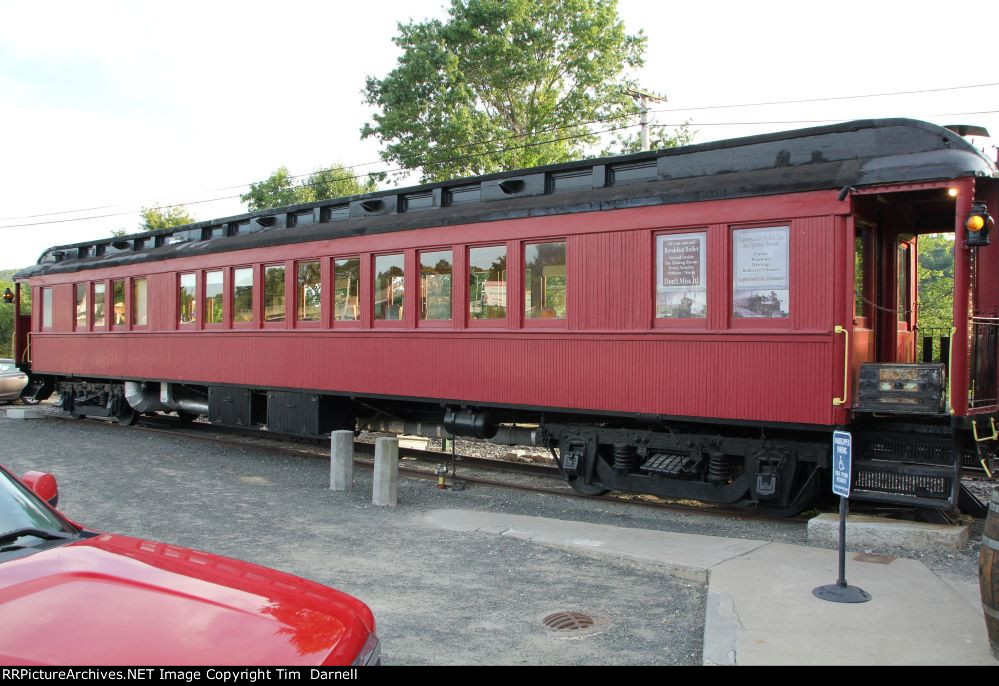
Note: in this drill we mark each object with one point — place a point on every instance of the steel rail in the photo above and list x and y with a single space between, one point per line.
275 443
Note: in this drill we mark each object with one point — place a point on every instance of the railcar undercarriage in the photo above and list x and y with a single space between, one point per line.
781 471
780 475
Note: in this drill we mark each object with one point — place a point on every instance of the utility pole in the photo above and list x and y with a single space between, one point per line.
642 99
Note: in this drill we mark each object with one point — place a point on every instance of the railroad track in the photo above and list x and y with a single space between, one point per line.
532 475
204 431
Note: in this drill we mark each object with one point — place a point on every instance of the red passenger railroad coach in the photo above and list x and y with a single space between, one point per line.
692 322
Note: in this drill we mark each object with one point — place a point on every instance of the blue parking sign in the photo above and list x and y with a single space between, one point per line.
842 452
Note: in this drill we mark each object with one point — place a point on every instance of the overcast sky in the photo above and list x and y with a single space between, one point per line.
131 103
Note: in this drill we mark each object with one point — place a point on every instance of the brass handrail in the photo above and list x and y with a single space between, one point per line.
846 365
950 358
992 437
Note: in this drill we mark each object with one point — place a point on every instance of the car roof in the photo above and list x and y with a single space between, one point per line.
859 153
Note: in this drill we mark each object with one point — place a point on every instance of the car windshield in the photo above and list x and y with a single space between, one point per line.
20 509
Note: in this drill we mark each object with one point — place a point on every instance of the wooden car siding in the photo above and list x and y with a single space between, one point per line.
609 354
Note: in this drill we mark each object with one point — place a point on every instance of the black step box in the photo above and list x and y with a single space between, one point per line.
307 414
233 406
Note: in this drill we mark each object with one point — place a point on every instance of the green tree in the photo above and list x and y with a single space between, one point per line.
935 272
503 84
278 190
334 182
157 217
6 325
7 311
281 189
659 139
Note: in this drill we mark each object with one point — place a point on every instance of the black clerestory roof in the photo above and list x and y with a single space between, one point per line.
858 153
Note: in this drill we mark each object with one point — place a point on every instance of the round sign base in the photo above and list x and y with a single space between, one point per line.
836 593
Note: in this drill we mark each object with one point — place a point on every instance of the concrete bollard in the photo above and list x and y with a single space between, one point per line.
386 487
342 461
26 413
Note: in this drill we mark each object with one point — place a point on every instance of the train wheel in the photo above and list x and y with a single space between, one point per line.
187 417
582 488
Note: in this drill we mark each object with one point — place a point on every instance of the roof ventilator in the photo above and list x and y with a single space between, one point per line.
268 221
373 205
512 186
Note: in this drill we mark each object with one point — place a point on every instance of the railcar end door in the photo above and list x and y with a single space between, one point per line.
905 302
22 329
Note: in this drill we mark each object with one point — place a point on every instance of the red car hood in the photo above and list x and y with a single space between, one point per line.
119 600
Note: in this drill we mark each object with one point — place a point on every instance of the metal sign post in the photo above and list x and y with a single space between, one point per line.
840 592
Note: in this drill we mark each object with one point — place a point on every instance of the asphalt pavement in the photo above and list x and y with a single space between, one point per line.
439 597
466 577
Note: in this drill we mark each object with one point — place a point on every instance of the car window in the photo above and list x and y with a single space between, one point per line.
20 509
5 367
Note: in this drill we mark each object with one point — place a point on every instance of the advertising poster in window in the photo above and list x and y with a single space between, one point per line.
681 279
761 275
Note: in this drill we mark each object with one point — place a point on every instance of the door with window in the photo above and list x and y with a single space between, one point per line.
864 342
22 328
905 299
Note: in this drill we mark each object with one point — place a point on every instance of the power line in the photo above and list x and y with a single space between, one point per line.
625 115
344 167
812 121
523 135
343 178
481 154
830 99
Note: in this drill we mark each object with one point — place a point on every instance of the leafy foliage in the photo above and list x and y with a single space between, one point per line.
155 217
7 312
277 190
935 273
6 327
503 84
281 189
659 139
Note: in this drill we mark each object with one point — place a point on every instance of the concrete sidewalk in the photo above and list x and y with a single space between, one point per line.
760 608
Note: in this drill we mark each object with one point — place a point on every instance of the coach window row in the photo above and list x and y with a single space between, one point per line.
433 289
760 274
102 305
291 293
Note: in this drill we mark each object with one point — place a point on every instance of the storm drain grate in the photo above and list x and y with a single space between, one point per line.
568 621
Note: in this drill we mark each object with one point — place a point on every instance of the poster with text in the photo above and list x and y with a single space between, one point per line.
761 277
681 278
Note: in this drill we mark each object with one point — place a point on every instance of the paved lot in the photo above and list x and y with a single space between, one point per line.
439 597
456 596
